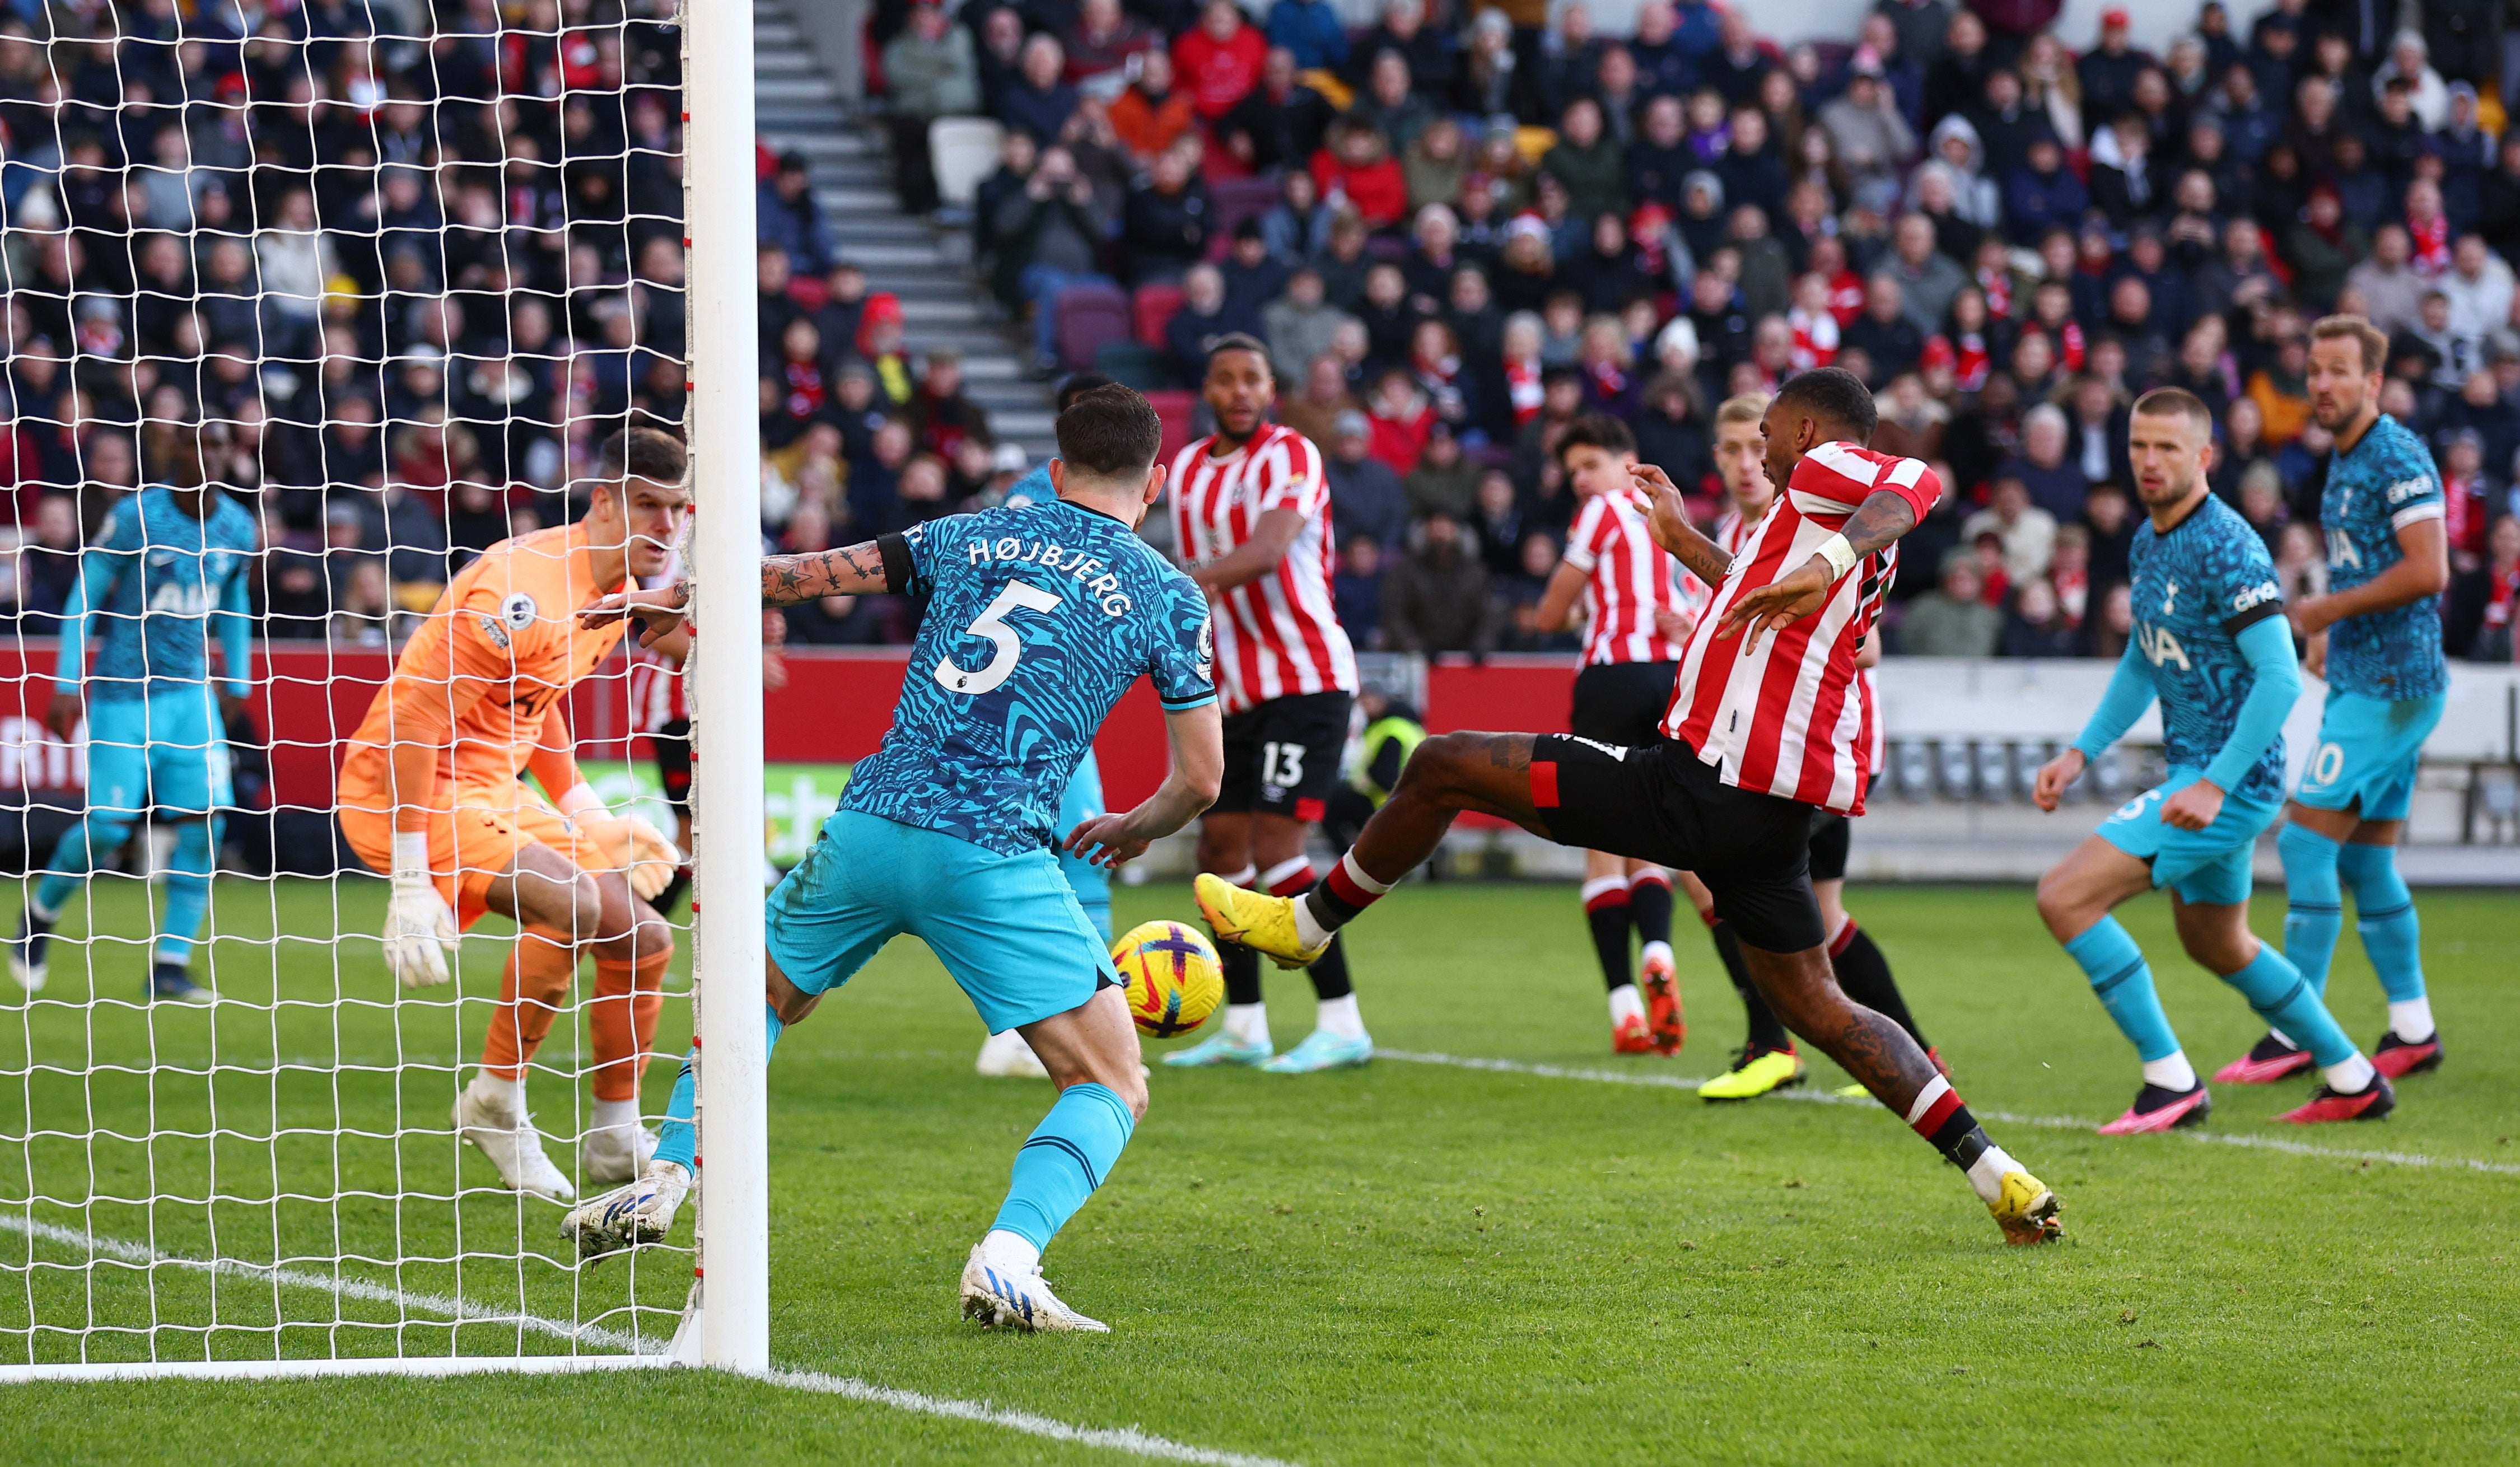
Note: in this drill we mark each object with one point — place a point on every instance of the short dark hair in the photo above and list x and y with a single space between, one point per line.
1834 395
1596 430
1112 432
2176 402
1078 386
1239 342
645 453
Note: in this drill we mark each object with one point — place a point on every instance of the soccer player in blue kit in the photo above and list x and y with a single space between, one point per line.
2376 637
172 564
2211 642
1005 1054
1037 621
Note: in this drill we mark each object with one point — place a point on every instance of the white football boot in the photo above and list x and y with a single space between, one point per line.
629 1217
611 1154
1004 1055
506 1135
1002 1301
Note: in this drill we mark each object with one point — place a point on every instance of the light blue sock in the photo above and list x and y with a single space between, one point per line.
82 846
2123 982
188 889
2276 989
2384 914
2315 911
1067 1158
676 1140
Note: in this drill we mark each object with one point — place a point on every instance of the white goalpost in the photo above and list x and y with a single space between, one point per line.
362 286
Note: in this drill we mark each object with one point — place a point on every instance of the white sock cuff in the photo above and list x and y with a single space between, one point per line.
511 1091
1278 876
1599 884
1935 1089
1356 874
611 1114
1243 877
1340 1016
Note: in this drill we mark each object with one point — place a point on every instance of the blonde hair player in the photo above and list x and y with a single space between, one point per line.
432 792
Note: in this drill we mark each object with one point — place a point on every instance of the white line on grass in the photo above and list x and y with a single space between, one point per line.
2009 1118
1127 1439
1124 1439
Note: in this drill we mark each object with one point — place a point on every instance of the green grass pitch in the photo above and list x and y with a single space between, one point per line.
1412 1262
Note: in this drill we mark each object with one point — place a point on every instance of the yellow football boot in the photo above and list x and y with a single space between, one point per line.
2026 1210
1758 1072
1257 920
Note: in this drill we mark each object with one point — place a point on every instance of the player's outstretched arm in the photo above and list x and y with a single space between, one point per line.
785 581
1667 521
1884 515
2422 570
2130 692
1253 558
2276 684
1198 736
94 584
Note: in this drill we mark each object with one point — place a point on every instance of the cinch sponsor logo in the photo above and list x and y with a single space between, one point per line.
2406 489
2258 594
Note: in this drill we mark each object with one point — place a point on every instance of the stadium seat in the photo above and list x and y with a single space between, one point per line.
964 150
1175 407
1133 364
1151 309
1087 319
1240 198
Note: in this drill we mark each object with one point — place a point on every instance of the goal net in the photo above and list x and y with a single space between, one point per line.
308 306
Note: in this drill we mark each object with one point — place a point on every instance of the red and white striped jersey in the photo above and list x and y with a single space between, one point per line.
656 680
1785 716
1627 578
1280 636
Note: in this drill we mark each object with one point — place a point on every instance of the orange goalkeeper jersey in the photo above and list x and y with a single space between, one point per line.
483 673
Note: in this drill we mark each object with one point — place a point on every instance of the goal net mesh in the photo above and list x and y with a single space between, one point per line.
390 274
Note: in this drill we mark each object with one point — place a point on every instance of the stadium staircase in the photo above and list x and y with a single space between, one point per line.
798 105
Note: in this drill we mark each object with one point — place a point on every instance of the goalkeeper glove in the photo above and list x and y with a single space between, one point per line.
420 932
639 851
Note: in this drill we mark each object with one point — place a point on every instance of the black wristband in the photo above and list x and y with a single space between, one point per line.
897 569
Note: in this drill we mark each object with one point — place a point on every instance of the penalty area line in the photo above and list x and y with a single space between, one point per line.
2008 1118
1128 1440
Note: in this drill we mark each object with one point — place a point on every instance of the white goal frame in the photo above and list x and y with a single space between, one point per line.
725 693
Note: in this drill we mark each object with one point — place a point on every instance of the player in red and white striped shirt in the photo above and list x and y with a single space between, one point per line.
1638 608
1764 730
1251 523
1767 1060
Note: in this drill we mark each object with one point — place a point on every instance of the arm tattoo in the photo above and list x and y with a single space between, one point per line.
789 580
1881 518
1704 559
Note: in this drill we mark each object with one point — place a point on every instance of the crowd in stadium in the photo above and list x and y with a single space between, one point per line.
1473 223
455 266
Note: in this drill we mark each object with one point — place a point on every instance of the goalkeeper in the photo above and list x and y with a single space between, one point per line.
172 564
432 793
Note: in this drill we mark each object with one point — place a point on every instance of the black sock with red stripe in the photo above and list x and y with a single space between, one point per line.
1605 912
1328 972
1765 1031
1940 1117
1649 906
1337 898
1863 973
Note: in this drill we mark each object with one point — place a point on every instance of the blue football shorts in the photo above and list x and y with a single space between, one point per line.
2368 749
2210 866
1008 928
167 751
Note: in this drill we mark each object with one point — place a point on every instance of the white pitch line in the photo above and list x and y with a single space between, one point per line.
2008 1118
1122 1438
1127 1439
447 1305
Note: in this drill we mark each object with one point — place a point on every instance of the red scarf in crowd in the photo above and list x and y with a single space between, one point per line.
2464 516
1523 389
2431 238
1997 287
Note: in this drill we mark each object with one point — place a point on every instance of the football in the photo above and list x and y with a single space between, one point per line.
1175 980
